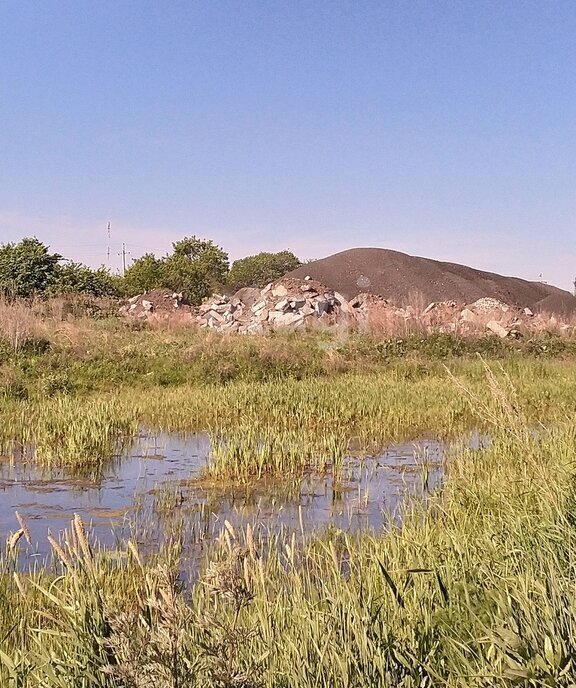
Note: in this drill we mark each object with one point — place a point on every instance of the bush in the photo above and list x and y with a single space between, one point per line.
196 268
75 278
261 269
26 268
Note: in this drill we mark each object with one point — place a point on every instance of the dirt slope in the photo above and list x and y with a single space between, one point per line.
398 276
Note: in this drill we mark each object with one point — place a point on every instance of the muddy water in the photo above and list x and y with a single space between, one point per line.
156 490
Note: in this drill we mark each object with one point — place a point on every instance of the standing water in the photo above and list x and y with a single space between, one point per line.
156 489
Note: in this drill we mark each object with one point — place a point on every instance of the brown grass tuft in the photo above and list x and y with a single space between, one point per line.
19 327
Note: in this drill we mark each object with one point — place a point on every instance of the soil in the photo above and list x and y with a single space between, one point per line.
157 302
402 279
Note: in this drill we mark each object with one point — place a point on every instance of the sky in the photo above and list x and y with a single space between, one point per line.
439 128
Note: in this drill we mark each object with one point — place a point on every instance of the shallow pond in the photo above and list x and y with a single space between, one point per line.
155 490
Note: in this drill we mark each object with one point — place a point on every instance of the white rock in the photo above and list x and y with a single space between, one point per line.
214 315
290 320
343 303
487 304
281 305
497 328
254 328
258 306
279 290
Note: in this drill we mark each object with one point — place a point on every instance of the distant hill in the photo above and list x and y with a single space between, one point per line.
398 277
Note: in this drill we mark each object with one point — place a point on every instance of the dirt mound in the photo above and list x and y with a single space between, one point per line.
557 304
402 278
159 303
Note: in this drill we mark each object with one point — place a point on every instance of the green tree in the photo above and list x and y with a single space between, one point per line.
144 274
259 270
210 260
184 276
196 267
27 268
75 278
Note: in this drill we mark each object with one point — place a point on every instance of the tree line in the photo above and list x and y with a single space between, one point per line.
196 267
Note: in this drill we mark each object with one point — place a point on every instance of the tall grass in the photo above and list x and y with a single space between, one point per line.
278 426
476 587
66 433
66 346
19 327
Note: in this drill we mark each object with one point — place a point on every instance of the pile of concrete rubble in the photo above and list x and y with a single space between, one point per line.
304 304
288 303
486 314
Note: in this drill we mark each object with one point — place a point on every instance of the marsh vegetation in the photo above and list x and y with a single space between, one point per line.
472 585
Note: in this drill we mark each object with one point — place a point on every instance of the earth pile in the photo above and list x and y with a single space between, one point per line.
401 279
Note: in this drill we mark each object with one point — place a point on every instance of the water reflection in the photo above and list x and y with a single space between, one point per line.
156 490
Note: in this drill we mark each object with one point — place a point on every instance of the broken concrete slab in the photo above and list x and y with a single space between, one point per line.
497 328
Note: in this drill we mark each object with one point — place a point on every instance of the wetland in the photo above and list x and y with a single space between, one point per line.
184 510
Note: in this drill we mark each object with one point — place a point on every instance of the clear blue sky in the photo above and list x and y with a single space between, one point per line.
445 129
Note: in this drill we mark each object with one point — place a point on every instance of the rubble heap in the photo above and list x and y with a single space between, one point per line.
301 304
292 303
488 305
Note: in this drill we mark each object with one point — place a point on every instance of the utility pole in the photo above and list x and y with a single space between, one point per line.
124 254
108 247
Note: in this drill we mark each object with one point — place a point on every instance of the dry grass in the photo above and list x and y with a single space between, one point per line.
416 302
80 325
19 326
388 323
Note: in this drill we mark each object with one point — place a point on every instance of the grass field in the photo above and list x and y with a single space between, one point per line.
476 587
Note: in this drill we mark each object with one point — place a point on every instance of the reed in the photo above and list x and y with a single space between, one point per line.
283 426
475 587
